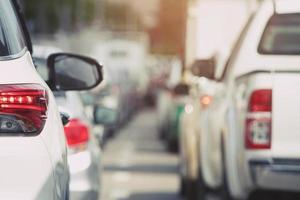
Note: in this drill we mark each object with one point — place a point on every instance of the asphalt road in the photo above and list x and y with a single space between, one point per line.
137 166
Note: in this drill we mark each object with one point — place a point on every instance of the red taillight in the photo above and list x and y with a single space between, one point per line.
261 101
23 109
76 132
205 101
258 130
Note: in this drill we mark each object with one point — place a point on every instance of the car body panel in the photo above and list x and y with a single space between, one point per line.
286 115
46 153
248 70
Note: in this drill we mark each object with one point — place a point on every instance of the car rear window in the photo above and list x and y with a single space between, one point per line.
11 37
59 94
282 35
41 67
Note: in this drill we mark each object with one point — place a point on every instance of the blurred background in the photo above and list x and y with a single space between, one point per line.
147 48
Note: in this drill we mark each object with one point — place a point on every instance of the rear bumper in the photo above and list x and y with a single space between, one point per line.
276 174
26 170
84 180
84 195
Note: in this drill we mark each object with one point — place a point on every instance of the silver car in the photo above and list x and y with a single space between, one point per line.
84 154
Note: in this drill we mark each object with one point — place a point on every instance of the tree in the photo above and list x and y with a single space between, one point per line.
121 17
168 37
49 16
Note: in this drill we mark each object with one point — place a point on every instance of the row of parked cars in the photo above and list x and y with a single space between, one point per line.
238 131
51 127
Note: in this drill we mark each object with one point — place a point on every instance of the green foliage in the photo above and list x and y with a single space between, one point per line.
30 9
52 15
89 7
49 16
121 17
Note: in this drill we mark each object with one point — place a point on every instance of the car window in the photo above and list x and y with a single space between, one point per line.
11 37
87 98
59 94
282 35
41 67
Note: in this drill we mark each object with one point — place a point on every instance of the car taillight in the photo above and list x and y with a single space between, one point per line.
23 109
261 101
258 129
77 133
205 101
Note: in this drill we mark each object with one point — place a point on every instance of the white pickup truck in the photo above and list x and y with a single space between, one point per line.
255 114
213 27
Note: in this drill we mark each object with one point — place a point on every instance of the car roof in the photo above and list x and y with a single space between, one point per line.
287 6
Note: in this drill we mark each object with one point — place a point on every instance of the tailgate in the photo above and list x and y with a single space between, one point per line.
286 115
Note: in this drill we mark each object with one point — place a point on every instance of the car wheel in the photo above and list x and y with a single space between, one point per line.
192 190
203 189
172 146
161 133
67 196
269 195
224 190
182 187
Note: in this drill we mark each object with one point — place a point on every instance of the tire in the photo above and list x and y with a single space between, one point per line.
192 190
224 190
182 187
270 195
203 189
161 133
67 196
172 146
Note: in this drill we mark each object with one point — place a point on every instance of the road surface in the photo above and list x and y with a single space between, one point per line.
137 166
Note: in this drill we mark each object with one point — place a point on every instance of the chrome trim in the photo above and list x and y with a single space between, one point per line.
258 115
294 169
284 166
14 56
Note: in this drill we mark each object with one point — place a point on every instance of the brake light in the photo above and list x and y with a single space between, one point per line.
23 109
258 129
261 101
77 133
205 101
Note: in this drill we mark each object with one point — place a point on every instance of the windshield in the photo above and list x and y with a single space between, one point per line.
282 35
11 38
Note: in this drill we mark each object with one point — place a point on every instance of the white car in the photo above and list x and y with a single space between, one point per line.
195 147
33 149
255 116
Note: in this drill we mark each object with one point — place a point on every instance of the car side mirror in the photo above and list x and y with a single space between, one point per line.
204 68
104 115
73 72
181 89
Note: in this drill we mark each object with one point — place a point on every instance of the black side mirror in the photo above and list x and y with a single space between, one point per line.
105 116
181 89
204 68
73 72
